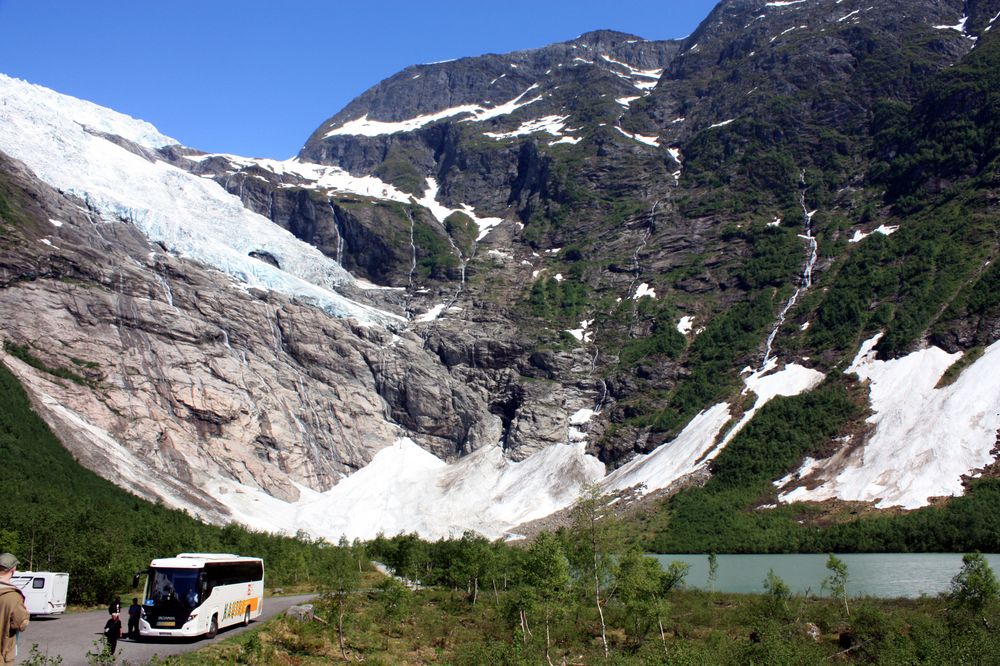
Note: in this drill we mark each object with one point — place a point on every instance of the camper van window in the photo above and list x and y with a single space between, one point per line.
38 583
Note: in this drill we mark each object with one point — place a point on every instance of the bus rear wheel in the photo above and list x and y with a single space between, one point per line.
213 629
246 617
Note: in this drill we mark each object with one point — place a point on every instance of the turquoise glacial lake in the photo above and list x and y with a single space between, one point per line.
886 575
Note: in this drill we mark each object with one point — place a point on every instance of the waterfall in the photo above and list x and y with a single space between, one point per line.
805 281
637 267
166 289
340 234
413 248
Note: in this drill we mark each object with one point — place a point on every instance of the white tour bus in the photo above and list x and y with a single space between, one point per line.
44 591
197 594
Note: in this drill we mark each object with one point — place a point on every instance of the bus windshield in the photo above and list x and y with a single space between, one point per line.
174 587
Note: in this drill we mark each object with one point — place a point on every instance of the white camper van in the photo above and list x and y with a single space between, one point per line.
44 591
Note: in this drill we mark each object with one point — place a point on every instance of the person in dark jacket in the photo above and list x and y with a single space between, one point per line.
113 631
134 613
115 606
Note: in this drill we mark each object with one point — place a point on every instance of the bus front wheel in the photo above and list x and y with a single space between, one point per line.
213 629
246 617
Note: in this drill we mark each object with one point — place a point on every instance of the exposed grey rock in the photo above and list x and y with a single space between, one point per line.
301 613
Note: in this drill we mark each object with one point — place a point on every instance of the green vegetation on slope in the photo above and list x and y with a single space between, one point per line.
717 516
712 360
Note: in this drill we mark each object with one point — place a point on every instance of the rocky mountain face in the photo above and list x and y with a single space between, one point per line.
578 245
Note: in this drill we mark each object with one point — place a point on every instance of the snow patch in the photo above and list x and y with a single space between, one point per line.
582 334
363 126
442 212
673 460
643 290
992 21
766 384
648 140
883 229
685 325
960 26
582 416
313 176
406 489
431 314
925 438
552 124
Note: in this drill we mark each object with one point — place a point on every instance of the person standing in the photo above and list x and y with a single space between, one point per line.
113 631
13 613
134 613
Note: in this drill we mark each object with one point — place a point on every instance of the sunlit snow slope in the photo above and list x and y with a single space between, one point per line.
406 489
926 437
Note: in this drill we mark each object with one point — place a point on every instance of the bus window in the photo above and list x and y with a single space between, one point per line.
174 585
38 583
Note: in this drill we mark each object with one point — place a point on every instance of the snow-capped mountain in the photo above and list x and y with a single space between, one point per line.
489 283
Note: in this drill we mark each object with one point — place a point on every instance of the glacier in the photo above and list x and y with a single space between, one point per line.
63 141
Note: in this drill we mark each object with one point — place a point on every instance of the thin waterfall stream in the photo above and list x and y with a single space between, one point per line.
805 280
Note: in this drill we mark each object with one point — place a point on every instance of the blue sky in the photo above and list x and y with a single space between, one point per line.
256 77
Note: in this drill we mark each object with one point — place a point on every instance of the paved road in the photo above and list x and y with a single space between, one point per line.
73 635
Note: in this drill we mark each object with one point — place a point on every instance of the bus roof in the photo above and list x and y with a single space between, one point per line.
199 560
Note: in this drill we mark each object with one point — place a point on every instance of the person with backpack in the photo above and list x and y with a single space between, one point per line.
14 614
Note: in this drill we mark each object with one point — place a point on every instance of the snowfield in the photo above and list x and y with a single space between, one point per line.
406 489
926 438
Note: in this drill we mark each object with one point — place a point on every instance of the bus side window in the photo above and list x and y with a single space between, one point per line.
38 583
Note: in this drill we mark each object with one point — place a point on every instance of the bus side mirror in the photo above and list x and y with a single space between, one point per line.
135 580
